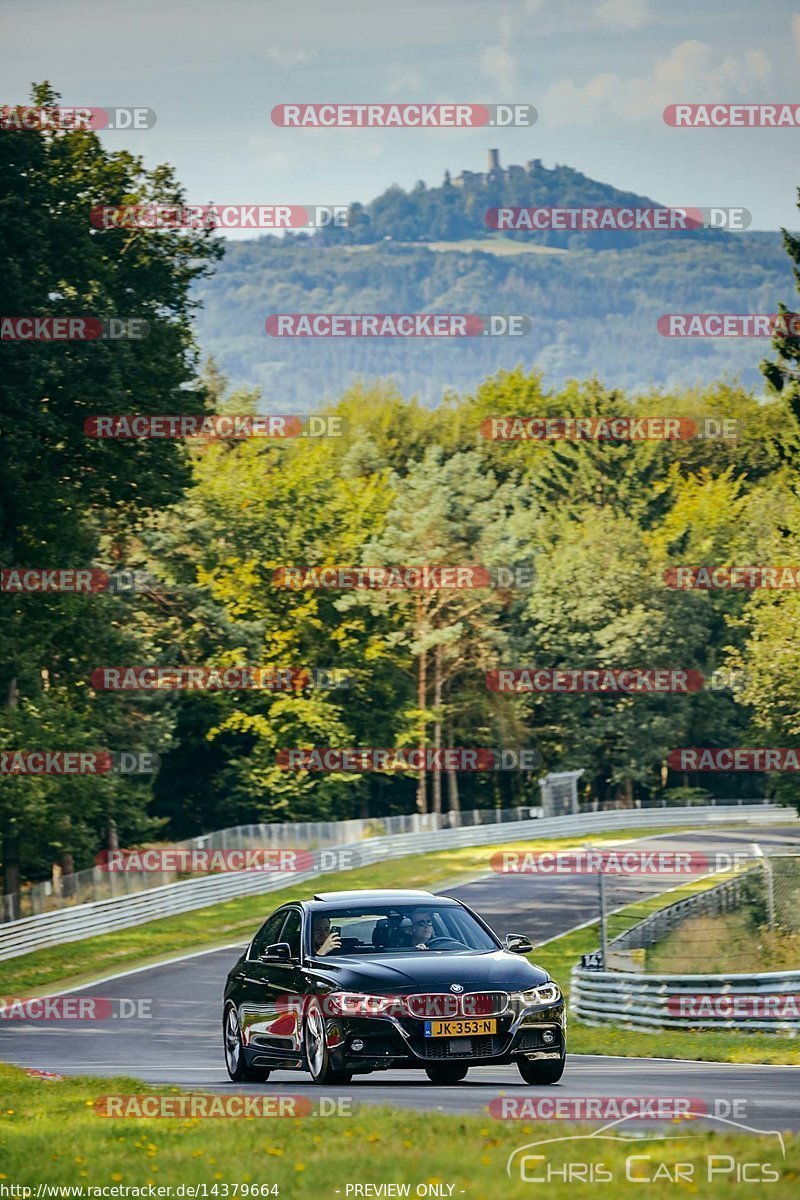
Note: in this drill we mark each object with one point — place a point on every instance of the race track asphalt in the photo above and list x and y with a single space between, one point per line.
181 1044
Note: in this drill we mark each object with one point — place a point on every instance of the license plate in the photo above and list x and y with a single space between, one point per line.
474 1027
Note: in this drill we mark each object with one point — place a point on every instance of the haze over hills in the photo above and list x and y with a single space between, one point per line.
593 298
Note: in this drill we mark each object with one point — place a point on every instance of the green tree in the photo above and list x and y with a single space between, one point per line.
67 499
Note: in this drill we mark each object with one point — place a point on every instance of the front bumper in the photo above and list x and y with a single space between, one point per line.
361 1044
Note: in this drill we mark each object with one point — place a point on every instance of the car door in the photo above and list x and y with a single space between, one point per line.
274 1014
285 985
255 1012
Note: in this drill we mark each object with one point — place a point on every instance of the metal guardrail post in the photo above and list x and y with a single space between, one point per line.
769 883
601 896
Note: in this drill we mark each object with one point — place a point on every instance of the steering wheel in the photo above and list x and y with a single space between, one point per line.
450 941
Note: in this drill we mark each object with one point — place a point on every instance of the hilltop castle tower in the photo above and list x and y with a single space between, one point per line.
467 178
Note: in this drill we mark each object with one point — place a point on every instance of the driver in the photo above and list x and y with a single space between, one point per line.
322 939
421 928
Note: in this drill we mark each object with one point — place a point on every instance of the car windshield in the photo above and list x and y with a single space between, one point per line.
396 929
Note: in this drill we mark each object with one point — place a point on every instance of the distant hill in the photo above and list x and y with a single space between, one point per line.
457 209
593 302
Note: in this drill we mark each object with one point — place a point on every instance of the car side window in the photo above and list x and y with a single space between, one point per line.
268 933
291 932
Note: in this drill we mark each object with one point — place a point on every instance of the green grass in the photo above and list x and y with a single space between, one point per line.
50 1133
727 942
236 920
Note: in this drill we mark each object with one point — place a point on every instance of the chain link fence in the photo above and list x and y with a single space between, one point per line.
749 921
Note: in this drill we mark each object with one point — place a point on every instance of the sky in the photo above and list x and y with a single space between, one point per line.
599 72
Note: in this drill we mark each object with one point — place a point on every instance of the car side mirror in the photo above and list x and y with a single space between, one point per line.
278 950
518 943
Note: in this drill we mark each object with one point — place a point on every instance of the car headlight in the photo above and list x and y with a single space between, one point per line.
358 1004
545 993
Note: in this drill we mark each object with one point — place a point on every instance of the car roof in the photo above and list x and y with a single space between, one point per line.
378 896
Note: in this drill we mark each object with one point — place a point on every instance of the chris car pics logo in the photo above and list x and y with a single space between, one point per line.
611 1154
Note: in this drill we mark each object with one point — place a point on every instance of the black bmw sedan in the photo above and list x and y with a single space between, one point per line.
354 982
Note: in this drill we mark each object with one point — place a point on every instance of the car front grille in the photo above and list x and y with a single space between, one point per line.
482 1047
436 1005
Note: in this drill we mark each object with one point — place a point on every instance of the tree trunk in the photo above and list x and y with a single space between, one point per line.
437 729
112 844
12 693
422 698
453 801
11 882
67 874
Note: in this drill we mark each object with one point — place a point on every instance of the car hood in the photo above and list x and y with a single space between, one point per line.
417 971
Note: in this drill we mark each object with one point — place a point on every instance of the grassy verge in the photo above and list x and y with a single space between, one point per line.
726 942
236 920
50 1133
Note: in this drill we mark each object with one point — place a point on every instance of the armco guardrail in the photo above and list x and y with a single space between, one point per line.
87 886
687 1001
105 916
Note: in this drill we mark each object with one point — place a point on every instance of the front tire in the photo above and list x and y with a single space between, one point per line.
235 1062
318 1055
444 1073
547 1070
